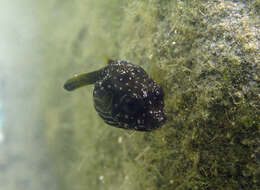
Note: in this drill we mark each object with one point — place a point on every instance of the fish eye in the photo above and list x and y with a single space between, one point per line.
159 92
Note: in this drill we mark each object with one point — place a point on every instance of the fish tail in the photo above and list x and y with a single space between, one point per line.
83 79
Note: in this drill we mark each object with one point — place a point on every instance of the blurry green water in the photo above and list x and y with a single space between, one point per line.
209 73
25 162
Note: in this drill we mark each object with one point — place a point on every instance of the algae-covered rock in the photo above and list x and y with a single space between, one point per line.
205 55
208 53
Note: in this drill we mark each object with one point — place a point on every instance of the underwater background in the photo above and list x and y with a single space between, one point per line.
204 54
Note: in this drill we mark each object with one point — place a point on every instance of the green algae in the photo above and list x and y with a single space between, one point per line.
205 55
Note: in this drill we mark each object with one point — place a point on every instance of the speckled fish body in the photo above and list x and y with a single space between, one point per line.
126 97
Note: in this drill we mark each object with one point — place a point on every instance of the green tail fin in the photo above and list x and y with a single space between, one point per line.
83 79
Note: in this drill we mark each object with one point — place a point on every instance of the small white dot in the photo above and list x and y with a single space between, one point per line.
160 119
121 79
120 139
109 86
101 178
102 88
120 88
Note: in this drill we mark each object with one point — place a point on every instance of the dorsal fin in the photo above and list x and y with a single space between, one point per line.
110 61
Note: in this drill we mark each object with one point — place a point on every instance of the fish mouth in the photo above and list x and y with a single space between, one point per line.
156 120
150 124
147 125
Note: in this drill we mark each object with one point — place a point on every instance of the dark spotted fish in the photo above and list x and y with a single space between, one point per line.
124 96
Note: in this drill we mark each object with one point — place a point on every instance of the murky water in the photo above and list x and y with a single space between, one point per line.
53 139
24 160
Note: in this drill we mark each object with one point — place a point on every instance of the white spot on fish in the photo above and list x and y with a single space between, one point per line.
160 119
144 94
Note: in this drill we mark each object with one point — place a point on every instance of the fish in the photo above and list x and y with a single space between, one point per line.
124 96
